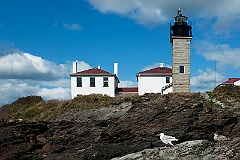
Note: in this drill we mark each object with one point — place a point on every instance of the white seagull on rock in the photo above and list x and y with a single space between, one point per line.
220 137
167 139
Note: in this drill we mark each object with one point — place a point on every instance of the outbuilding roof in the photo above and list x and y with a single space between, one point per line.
92 71
127 90
231 81
156 71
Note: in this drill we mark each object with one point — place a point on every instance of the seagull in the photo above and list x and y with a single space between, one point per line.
167 139
220 137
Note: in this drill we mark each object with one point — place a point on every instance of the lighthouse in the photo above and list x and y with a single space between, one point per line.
180 37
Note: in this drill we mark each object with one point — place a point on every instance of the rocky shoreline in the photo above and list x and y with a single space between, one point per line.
128 130
194 150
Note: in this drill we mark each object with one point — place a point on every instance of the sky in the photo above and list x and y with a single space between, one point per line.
39 40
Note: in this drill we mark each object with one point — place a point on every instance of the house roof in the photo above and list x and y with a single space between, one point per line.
129 89
157 71
231 81
92 71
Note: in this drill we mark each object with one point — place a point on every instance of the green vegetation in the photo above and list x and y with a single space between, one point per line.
92 101
228 94
34 108
20 107
31 113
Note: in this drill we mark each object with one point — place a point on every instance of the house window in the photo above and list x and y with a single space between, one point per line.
79 81
105 81
181 69
167 79
92 81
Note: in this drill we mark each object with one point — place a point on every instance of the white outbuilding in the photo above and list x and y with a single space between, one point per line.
156 80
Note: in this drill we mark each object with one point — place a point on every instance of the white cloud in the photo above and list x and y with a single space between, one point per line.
81 65
72 26
19 65
154 12
222 53
63 82
55 93
205 80
23 74
11 90
144 13
225 57
126 84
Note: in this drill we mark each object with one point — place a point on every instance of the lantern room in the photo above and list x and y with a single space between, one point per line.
180 27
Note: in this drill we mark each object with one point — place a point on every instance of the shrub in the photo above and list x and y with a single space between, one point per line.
30 114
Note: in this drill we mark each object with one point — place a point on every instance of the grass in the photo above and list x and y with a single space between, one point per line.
33 108
228 94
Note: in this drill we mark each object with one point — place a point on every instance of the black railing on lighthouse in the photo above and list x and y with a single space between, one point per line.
180 27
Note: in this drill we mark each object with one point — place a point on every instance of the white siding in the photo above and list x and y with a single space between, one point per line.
98 89
237 83
152 84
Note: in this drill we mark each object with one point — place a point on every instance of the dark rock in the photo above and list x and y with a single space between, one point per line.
121 130
194 150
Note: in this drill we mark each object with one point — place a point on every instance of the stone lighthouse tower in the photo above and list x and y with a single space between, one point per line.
180 37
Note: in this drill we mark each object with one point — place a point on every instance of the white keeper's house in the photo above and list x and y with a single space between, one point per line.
94 80
98 81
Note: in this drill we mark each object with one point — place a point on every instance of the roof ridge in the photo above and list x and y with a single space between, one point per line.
231 81
157 70
93 71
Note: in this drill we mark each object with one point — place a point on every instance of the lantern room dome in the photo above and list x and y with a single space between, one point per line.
180 27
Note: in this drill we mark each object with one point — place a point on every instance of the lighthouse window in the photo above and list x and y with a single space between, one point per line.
181 69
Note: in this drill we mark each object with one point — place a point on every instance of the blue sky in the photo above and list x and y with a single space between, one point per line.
40 39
